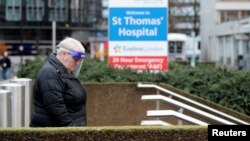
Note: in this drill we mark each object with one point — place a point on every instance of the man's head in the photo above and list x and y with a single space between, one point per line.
70 52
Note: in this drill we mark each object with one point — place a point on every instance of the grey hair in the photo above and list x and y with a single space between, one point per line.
70 44
59 50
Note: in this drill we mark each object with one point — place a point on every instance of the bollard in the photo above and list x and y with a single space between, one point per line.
17 103
28 96
5 108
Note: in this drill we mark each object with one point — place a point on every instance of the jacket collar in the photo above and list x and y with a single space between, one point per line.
57 64
61 69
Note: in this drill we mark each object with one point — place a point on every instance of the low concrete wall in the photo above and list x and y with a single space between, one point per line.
116 104
120 104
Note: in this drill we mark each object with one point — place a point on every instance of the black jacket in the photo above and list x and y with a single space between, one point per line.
6 61
59 98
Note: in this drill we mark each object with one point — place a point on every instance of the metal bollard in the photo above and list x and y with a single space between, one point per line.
28 96
17 103
5 108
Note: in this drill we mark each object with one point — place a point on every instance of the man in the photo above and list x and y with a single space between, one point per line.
59 98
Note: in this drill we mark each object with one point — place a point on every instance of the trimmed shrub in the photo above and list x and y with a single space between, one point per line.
119 133
229 88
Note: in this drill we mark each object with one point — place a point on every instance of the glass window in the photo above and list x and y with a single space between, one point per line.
228 49
74 7
221 50
77 10
229 15
34 10
58 10
248 47
232 15
13 10
179 47
175 47
2 2
245 14
171 47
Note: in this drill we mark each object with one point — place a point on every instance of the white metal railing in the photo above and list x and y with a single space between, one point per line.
140 85
154 122
185 106
175 114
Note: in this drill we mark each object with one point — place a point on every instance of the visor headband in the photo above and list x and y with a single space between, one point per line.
74 54
77 54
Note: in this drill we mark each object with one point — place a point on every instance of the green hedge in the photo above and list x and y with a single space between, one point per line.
119 133
229 88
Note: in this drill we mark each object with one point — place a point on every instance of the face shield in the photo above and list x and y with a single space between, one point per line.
77 56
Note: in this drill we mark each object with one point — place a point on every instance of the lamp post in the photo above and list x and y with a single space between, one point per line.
193 61
54 36
21 53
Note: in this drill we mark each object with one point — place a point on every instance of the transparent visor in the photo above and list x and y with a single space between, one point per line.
79 56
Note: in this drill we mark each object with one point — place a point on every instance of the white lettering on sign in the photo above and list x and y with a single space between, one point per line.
216 132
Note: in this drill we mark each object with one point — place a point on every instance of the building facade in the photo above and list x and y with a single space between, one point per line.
28 23
184 16
225 32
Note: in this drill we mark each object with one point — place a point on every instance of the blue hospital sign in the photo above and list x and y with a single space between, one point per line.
137 33
138 24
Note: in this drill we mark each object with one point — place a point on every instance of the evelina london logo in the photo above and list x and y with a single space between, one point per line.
117 48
